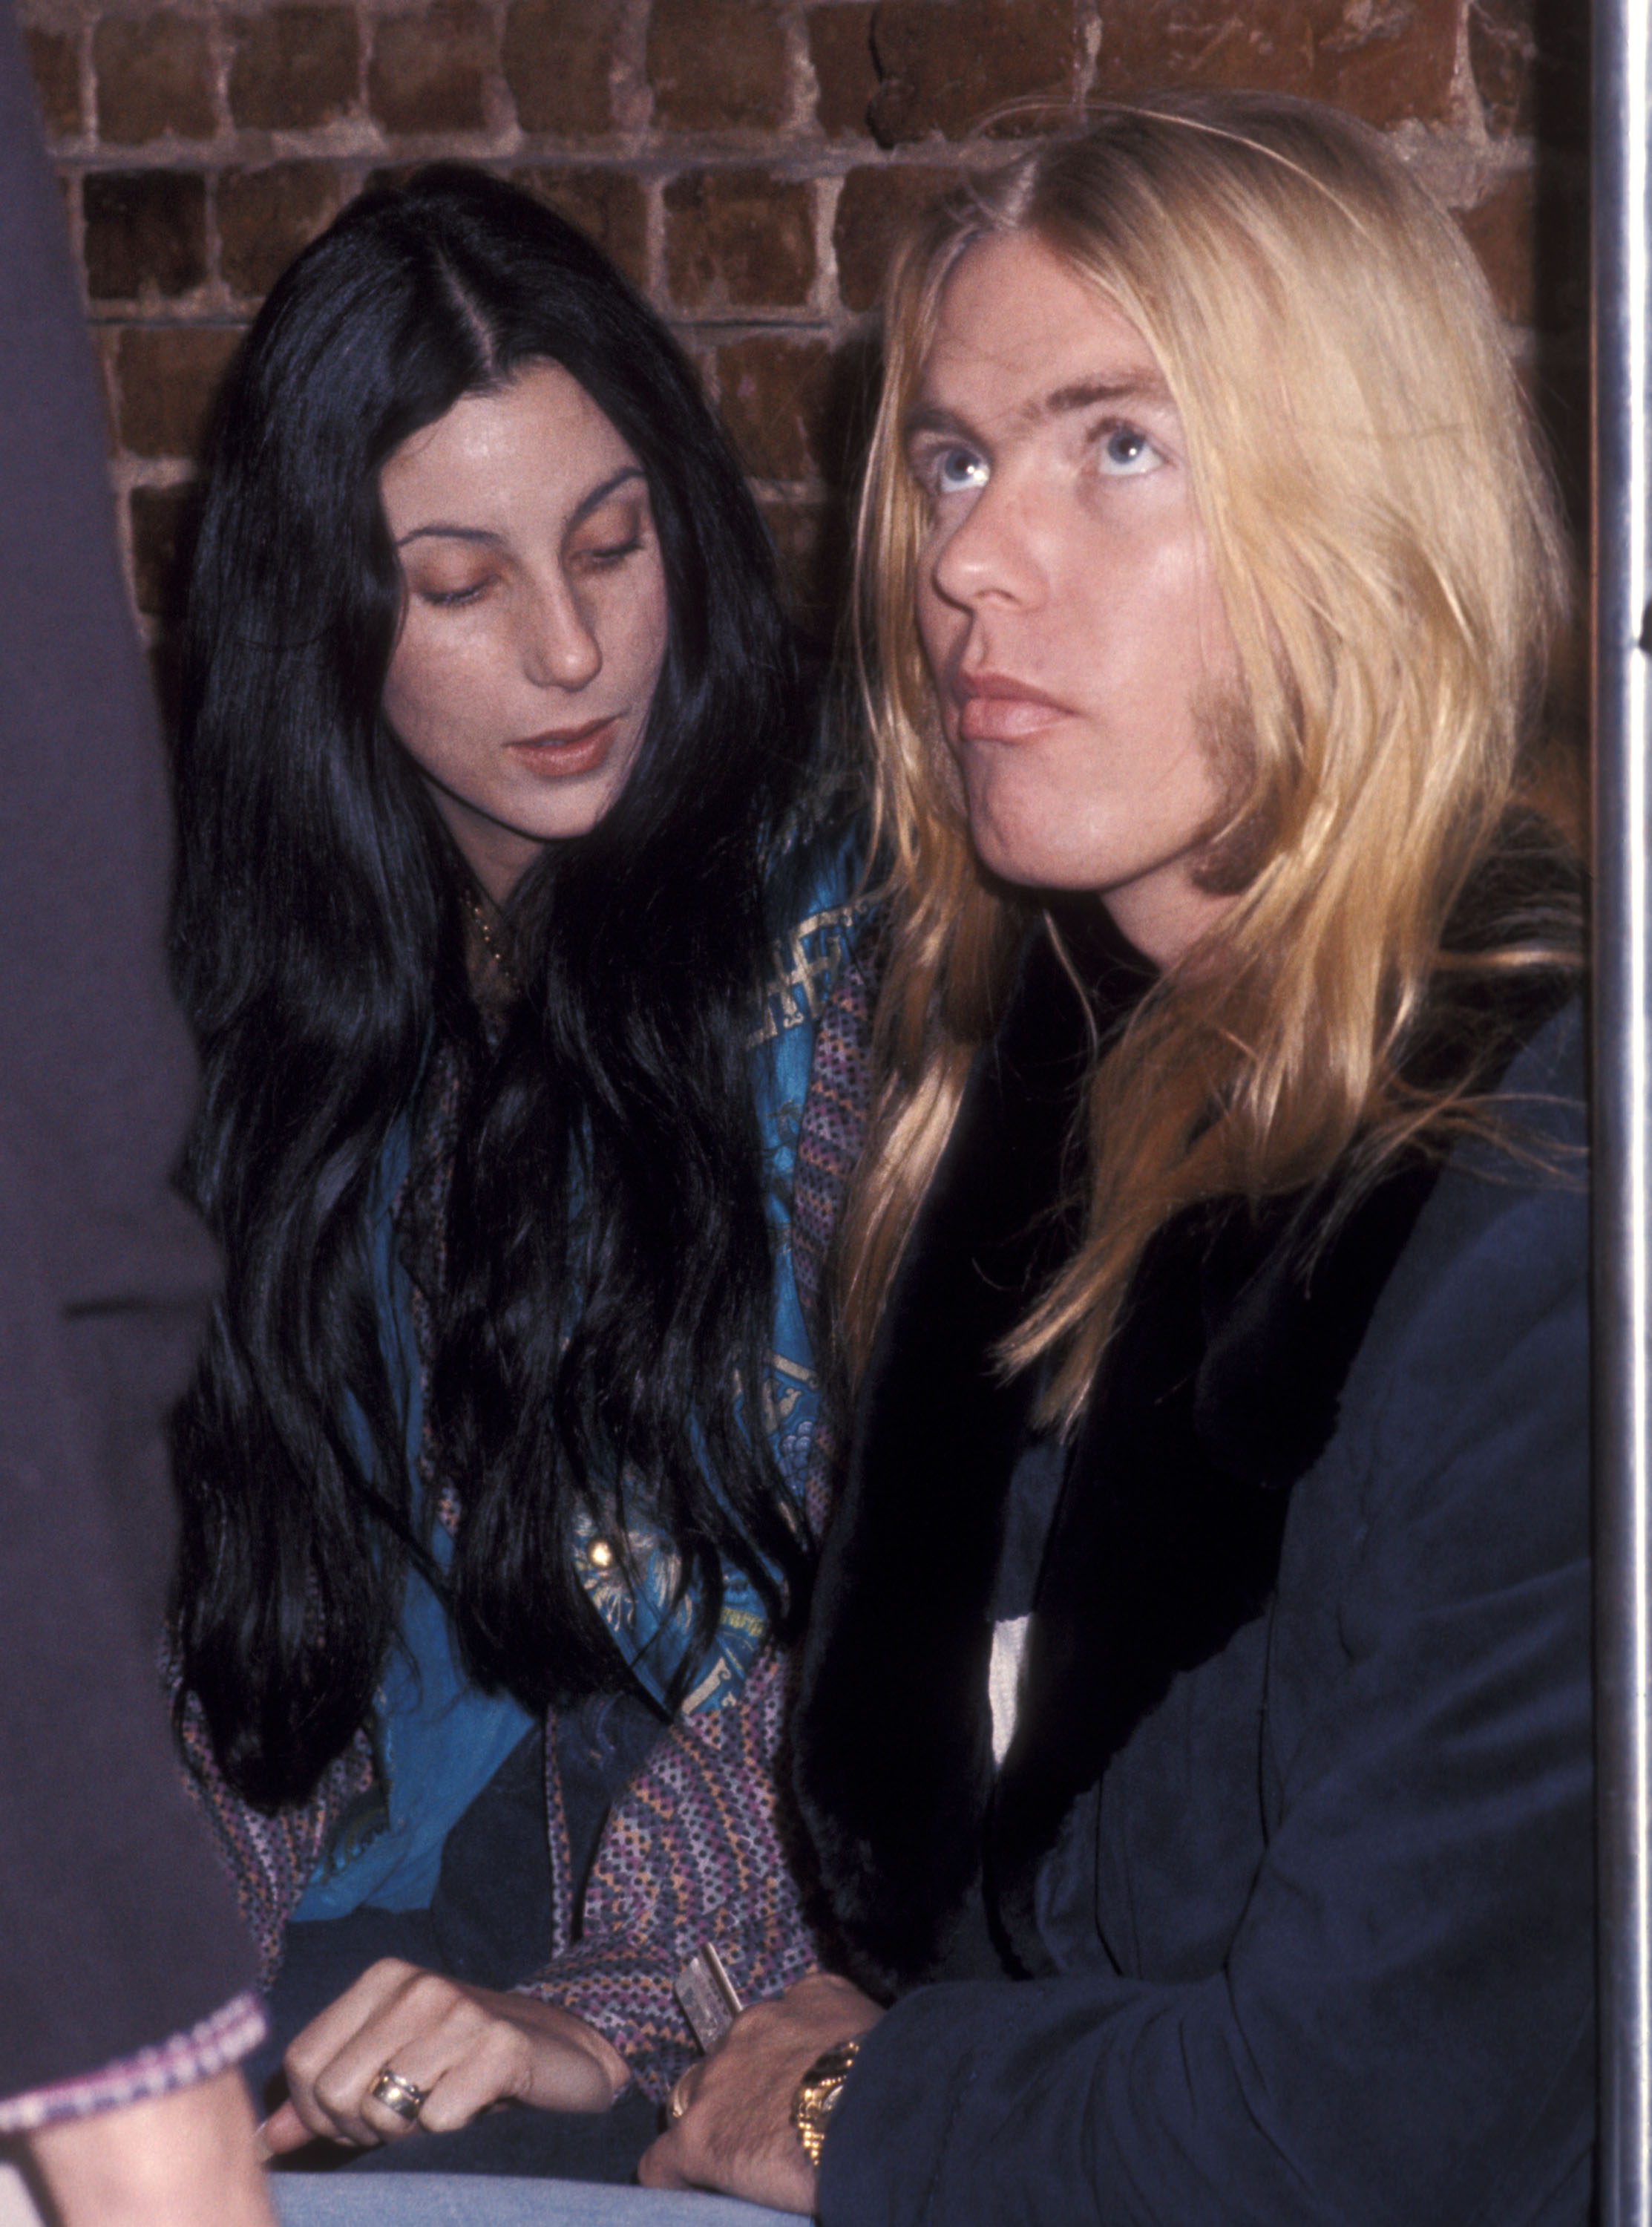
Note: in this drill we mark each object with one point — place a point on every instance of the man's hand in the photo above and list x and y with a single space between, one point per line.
736 2135
182 2159
466 2047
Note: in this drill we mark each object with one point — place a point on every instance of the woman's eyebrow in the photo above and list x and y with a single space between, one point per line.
439 530
599 496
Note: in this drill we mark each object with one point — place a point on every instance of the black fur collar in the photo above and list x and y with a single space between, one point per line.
1222 1390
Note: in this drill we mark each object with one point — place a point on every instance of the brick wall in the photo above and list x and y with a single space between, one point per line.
746 162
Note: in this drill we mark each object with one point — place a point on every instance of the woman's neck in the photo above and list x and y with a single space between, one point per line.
491 963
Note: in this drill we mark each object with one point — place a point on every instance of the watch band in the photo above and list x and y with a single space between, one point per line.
817 2094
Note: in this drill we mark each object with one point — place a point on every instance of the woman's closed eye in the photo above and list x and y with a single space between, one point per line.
618 529
452 595
605 556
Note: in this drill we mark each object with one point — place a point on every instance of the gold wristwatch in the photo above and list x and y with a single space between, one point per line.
817 2095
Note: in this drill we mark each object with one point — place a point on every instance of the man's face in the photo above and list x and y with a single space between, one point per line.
1066 596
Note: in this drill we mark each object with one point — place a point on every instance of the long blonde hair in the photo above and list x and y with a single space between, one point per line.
1387 547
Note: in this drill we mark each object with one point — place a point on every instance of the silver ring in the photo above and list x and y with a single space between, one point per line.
677 2102
398 2094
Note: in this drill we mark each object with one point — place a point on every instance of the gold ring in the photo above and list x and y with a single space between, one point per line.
398 2094
677 2102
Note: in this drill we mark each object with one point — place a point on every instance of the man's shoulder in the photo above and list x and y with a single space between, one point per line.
1476 1359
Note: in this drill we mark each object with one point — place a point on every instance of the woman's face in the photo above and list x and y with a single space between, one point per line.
534 616
1067 597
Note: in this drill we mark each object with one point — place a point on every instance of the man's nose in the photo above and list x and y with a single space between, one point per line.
993 552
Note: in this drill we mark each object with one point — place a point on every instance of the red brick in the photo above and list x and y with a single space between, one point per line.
154 75
169 377
1531 68
264 217
608 207
945 64
1387 60
163 523
840 48
104 339
295 68
875 208
429 72
716 64
390 178
557 63
775 398
1533 242
739 238
145 233
54 65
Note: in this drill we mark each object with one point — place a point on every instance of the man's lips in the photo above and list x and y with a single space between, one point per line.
568 750
996 707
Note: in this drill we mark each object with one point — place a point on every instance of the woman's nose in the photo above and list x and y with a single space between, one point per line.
559 645
991 553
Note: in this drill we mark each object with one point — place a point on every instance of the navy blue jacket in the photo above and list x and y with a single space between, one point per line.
1285 1912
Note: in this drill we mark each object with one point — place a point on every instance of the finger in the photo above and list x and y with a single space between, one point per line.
682 2091
659 2167
421 2029
401 2111
319 2123
330 2064
492 2068
282 2131
362 2002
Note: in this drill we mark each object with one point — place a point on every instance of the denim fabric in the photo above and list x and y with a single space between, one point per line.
444 2200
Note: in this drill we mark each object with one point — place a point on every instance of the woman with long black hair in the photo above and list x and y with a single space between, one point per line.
502 917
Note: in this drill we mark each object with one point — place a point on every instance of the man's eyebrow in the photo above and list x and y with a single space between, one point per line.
1085 394
440 531
930 417
1144 386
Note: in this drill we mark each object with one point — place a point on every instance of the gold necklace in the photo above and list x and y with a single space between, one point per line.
502 966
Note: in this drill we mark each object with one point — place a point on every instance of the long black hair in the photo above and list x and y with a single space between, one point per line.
604 1311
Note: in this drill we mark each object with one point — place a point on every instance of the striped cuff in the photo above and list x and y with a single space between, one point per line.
222 2040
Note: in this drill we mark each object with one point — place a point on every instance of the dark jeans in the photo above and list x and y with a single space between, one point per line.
490 1924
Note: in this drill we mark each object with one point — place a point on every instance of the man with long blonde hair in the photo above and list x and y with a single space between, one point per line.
1193 1735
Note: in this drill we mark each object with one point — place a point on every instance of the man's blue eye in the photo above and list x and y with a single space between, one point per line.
957 470
1127 449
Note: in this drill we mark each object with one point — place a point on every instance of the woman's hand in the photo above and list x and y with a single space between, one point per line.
736 2135
466 2047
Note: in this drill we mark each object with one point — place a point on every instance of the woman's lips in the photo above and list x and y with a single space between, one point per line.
568 750
995 708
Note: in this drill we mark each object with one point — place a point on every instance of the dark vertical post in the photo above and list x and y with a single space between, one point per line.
1622 1171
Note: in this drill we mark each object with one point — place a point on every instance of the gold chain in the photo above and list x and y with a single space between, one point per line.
495 952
